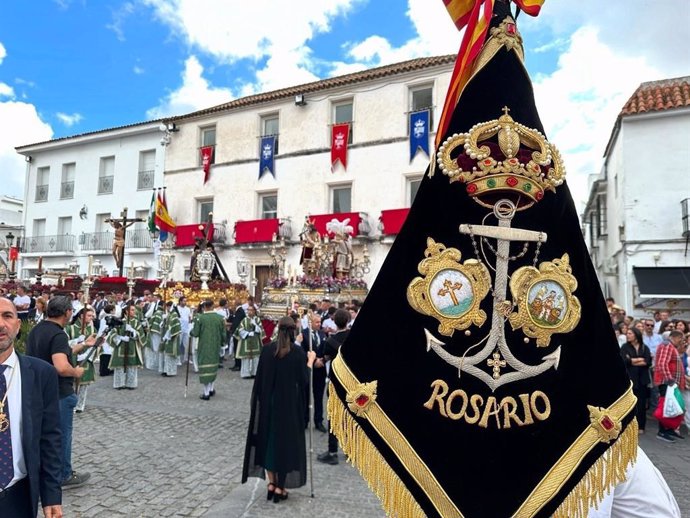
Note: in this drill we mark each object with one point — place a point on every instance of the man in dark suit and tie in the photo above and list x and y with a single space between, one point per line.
319 369
30 447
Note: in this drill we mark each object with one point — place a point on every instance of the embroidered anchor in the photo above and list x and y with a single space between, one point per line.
504 210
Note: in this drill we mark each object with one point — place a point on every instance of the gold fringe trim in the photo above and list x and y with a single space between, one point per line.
361 453
606 473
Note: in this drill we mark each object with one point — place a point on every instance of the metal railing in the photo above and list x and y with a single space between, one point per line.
67 190
42 192
145 180
56 243
103 241
220 233
105 184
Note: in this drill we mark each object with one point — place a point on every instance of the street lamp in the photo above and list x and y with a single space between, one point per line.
205 263
12 274
243 270
166 261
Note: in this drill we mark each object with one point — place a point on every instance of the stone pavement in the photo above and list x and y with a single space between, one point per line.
153 453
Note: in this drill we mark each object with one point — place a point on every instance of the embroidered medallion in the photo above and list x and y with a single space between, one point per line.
544 300
4 422
360 397
449 291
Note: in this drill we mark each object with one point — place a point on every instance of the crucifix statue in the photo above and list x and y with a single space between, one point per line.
120 225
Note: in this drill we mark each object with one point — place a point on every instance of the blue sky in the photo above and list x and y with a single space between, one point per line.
73 66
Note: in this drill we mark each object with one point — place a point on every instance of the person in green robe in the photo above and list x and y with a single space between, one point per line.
83 331
209 328
150 359
249 334
153 357
126 341
169 349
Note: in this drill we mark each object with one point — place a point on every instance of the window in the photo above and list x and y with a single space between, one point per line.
341 197
67 185
42 180
64 241
101 225
208 138
601 216
421 98
342 112
39 227
412 188
269 127
147 166
268 204
205 208
106 175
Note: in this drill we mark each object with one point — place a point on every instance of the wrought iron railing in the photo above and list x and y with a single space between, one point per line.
67 190
105 184
43 244
145 180
103 241
42 192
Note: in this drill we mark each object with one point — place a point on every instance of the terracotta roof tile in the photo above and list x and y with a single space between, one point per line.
654 96
333 82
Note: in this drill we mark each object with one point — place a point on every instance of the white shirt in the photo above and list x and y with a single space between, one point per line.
21 301
329 325
14 402
185 318
644 494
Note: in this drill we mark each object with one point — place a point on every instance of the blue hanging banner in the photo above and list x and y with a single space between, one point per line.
266 155
419 133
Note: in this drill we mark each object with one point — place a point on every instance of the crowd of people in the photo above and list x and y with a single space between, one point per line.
121 335
654 351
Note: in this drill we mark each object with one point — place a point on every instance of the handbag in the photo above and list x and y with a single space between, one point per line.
667 422
671 406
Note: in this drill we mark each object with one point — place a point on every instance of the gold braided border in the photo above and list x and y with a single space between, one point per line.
394 495
606 472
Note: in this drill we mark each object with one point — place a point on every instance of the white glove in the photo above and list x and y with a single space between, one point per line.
123 339
243 334
131 330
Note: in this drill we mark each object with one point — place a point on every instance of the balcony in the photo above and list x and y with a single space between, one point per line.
105 184
46 244
103 241
185 235
145 180
392 221
256 231
42 192
67 190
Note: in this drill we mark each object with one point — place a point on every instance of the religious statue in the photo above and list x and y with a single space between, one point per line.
342 247
119 239
311 241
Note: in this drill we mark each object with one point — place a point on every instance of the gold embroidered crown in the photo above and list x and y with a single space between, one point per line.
518 160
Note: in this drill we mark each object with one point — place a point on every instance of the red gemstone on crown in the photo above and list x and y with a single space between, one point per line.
607 424
511 181
471 188
511 28
362 400
539 195
488 161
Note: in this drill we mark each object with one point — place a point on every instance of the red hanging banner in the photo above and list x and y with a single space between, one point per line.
14 253
206 155
339 138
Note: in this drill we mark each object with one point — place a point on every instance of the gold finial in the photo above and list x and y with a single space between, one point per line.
506 110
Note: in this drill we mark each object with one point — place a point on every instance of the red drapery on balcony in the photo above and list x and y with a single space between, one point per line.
255 231
320 221
187 233
393 220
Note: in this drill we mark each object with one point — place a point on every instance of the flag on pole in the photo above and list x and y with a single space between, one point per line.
206 155
267 160
419 133
151 223
163 220
339 138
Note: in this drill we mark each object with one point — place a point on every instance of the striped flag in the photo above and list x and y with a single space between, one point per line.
163 220
474 16
151 223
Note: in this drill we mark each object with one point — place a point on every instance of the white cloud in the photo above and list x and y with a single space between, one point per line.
69 120
6 91
26 127
195 93
3 53
138 70
118 18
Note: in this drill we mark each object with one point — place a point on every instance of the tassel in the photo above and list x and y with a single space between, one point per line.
607 472
396 499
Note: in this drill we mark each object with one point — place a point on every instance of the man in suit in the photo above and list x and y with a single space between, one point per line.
319 369
30 446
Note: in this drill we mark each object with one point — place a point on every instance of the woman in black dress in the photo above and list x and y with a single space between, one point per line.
638 358
275 442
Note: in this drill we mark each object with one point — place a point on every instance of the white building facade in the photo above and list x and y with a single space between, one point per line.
74 184
379 176
636 218
11 229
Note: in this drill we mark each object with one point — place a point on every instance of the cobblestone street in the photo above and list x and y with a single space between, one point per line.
153 453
